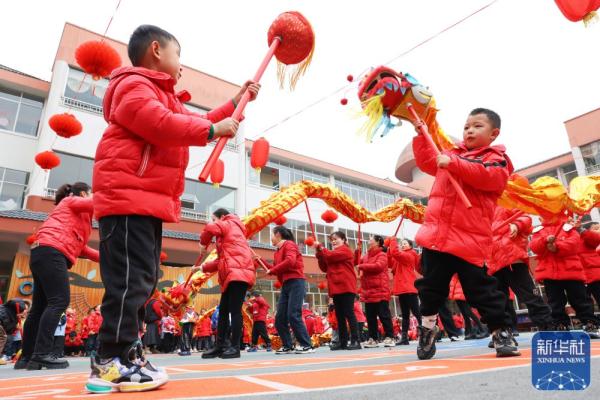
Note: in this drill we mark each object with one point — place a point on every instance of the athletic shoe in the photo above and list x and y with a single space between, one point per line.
284 350
304 350
504 343
371 343
252 350
389 342
354 346
426 346
454 338
112 376
269 348
135 356
471 336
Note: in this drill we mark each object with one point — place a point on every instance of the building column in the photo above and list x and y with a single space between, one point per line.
240 197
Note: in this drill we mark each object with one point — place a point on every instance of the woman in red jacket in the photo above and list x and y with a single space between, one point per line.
375 291
236 273
338 264
289 269
59 242
590 240
560 269
404 263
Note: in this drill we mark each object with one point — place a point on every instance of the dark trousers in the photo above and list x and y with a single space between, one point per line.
382 310
91 344
594 290
187 330
205 343
468 316
510 307
51 296
344 311
129 264
447 320
167 343
231 303
259 328
409 302
517 277
558 292
361 332
480 289
289 313
58 347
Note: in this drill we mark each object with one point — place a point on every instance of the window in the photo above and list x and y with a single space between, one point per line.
370 198
591 157
301 231
569 172
12 188
85 93
352 237
276 175
20 112
205 198
71 169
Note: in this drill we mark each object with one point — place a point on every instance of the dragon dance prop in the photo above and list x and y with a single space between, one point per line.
292 41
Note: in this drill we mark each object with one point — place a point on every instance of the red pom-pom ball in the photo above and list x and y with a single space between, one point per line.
47 160
281 220
329 216
309 241
277 285
97 58
65 125
344 101
163 256
350 78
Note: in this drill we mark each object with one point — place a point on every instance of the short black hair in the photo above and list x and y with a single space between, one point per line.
142 37
491 115
221 212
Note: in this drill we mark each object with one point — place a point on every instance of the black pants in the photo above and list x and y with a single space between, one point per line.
344 311
381 310
187 330
259 328
447 320
167 343
510 307
231 303
91 344
468 316
361 332
58 347
51 296
205 343
480 289
409 302
517 277
558 292
129 264
594 290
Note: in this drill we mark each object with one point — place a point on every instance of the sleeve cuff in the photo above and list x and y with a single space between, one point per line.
211 132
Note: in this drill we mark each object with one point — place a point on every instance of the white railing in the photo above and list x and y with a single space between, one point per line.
231 146
193 215
81 105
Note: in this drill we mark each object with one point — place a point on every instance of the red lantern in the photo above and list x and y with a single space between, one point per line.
31 239
260 154
329 216
47 160
97 58
281 220
217 173
344 101
350 78
163 256
65 125
577 10
322 285
277 285
309 241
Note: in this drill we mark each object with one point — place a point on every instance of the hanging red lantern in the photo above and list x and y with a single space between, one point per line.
344 101
217 174
163 256
309 241
97 58
329 216
579 10
260 154
47 160
281 220
31 239
277 285
65 125
322 285
350 78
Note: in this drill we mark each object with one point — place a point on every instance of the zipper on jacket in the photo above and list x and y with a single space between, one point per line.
145 159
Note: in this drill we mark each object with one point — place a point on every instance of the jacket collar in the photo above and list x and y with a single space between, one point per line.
162 79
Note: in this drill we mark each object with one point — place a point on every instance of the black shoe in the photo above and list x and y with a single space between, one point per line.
482 334
403 341
231 352
354 346
491 344
214 352
515 333
426 347
504 343
48 361
336 346
21 363
284 350
471 336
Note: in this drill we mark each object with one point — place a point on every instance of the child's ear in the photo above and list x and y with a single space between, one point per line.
155 49
495 133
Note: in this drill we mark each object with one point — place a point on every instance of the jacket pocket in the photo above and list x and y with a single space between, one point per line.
145 160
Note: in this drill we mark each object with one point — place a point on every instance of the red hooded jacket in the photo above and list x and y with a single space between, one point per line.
456 290
565 263
588 255
403 264
375 281
235 257
505 250
141 159
287 262
449 226
68 228
338 264
260 309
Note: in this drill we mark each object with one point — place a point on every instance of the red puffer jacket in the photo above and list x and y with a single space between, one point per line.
142 156
202 327
565 263
235 257
505 250
260 309
358 311
68 228
449 226
375 281
287 262
338 264
588 255
456 290
403 268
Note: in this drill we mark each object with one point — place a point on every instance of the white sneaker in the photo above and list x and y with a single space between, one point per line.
304 350
389 342
371 344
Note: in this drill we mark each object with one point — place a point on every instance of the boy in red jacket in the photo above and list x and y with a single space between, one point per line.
260 309
556 244
590 240
459 240
138 178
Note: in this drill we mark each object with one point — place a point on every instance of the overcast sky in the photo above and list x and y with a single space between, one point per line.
520 58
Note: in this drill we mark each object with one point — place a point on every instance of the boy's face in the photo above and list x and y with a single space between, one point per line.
167 57
479 132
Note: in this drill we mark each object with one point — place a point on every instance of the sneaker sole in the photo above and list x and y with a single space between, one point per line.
101 386
305 352
509 353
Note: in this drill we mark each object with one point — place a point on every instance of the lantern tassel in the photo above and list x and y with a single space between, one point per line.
373 110
216 185
590 18
293 72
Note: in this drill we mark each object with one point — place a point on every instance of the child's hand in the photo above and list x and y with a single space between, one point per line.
252 87
443 161
513 231
552 247
226 128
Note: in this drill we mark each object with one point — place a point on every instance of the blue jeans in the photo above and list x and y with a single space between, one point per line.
289 313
